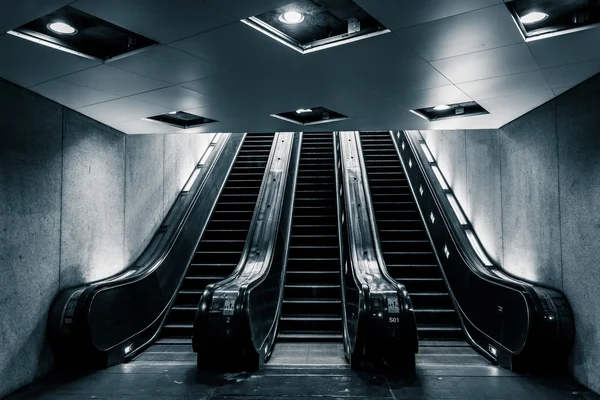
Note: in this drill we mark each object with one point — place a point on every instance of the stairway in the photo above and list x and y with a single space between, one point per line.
223 241
312 310
406 248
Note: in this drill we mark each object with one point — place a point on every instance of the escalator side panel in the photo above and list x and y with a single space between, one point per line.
406 249
222 244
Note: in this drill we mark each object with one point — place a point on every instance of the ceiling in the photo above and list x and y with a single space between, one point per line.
208 63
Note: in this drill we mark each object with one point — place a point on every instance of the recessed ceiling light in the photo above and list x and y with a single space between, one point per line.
442 107
291 17
173 112
62 28
303 110
533 17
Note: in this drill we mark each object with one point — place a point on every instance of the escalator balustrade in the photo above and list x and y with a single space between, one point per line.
406 249
222 244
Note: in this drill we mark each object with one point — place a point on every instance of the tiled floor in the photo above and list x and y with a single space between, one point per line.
440 374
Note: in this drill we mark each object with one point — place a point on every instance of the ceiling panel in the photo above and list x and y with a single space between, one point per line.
166 64
140 127
114 80
491 121
26 63
505 85
396 14
122 110
403 78
238 76
175 98
465 33
566 49
487 64
571 74
243 8
23 11
428 98
516 105
235 45
70 95
163 21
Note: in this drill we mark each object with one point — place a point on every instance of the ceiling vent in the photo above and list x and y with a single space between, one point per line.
310 116
310 25
446 111
540 19
73 31
180 119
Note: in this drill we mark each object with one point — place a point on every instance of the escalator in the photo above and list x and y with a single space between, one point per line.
406 249
223 241
311 310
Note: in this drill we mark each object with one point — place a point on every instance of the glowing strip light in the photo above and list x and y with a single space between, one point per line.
456 208
271 35
52 45
477 247
440 177
418 114
428 154
206 155
192 179
255 23
216 138
345 41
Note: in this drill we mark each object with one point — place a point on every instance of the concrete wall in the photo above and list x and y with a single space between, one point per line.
78 202
532 191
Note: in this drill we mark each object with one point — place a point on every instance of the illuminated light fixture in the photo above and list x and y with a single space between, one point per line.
533 17
215 138
62 28
76 32
444 111
428 154
308 26
446 251
128 349
191 181
180 119
440 177
291 17
459 214
206 154
477 247
493 350
310 116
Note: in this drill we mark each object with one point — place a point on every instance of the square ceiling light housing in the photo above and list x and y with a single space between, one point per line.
310 116
446 111
73 31
180 119
540 19
311 25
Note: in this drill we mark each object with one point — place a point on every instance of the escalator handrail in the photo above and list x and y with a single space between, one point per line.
256 261
374 230
76 341
377 290
531 293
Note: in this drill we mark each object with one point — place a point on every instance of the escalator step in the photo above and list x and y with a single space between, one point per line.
407 251
223 242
